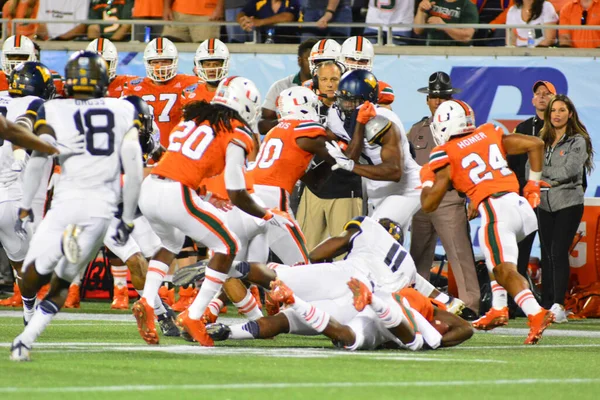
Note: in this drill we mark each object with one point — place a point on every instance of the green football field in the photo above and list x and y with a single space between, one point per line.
93 353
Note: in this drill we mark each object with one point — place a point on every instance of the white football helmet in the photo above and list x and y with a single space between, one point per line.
212 49
16 50
108 51
324 50
452 118
358 53
241 95
298 103
161 49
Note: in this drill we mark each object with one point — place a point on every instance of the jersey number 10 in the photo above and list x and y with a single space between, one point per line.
97 122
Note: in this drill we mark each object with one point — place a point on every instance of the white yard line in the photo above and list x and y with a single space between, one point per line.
299 385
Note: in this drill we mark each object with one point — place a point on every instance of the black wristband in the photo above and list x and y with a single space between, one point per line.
330 11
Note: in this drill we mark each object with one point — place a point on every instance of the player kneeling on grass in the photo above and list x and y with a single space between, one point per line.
87 194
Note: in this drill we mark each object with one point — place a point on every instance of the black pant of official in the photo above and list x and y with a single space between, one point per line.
557 230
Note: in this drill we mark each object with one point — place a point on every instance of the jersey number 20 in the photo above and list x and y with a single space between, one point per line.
191 142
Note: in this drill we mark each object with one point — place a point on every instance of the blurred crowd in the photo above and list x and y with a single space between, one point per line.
264 16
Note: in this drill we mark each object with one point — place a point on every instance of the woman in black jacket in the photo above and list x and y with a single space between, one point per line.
568 156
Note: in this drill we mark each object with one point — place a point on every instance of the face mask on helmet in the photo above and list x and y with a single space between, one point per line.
452 118
298 103
16 50
323 50
358 53
211 61
161 59
108 51
393 228
348 103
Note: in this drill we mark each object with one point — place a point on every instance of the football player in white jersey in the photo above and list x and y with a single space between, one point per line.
87 193
31 84
376 136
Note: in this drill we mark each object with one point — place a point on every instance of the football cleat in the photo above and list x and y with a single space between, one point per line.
281 293
560 315
120 298
218 332
191 274
43 291
167 295
15 300
186 298
361 293
208 317
167 325
73 297
455 306
70 244
256 293
19 352
144 316
492 319
538 324
195 328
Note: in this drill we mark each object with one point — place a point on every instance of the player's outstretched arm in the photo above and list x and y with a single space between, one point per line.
20 136
390 168
517 143
332 247
432 196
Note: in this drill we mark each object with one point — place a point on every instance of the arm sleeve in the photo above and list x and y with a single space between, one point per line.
469 14
34 172
293 7
271 97
565 13
41 117
235 157
438 158
549 14
131 160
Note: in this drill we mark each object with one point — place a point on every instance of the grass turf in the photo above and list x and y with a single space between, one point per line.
98 359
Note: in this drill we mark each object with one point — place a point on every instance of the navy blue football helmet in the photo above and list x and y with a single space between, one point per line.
393 229
31 78
146 117
86 73
355 88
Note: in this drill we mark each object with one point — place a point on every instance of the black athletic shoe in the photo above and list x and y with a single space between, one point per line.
218 332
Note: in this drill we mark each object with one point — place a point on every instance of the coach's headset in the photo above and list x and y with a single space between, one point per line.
315 78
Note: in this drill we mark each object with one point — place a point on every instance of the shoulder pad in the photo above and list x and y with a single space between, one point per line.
136 81
354 223
376 128
190 88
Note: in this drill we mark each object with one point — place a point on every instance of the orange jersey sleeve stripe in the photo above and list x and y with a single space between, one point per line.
438 159
492 238
210 221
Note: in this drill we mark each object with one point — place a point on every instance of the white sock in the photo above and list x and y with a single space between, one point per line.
316 318
158 306
527 302
119 274
389 312
140 292
416 344
249 330
78 278
210 287
28 308
499 296
168 279
41 318
156 273
429 334
215 306
275 266
249 307
423 286
442 298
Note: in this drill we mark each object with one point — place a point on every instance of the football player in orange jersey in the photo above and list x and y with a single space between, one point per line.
473 160
357 53
108 51
162 86
284 157
211 139
211 65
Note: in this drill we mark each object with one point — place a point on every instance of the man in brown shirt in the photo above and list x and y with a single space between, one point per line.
449 221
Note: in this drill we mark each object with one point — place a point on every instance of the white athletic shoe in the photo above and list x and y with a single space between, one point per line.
560 315
19 352
70 246
455 306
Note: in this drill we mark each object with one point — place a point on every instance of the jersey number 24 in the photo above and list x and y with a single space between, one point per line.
478 172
